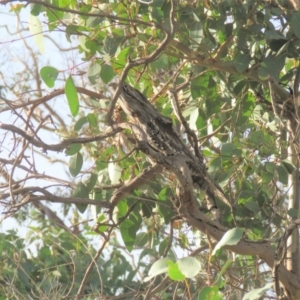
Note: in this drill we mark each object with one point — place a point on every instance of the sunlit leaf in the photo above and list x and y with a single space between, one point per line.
257 293
159 267
114 172
209 293
174 271
193 118
231 237
189 266
35 28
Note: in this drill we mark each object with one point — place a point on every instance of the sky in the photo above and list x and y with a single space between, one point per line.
12 55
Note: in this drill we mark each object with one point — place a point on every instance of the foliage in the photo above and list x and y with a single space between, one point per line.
116 231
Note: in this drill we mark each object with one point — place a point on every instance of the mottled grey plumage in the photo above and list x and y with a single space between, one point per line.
160 133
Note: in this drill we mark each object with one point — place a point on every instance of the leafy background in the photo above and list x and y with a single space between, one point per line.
233 55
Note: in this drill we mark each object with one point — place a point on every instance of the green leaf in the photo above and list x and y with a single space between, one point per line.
49 75
288 166
94 21
54 16
99 220
71 30
295 23
253 206
91 182
92 120
241 62
78 125
231 237
159 267
271 34
35 9
266 176
93 72
257 138
189 266
174 272
226 151
72 96
107 73
73 149
270 167
219 281
24 272
283 175
293 212
35 28
257 293
75 164
122 57
129 228
82 42
110 45
81 192
196 32
209 293
141 239
271 66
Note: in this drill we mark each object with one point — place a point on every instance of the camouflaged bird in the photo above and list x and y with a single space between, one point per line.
161 135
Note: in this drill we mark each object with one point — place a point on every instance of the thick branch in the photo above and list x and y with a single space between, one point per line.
133 184
18 104
262 249
67 200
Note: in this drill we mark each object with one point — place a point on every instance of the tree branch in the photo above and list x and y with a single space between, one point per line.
64 144
226 66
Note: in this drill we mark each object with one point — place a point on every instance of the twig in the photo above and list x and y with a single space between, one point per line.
81 13
14 103
91 265
63 145
170 235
